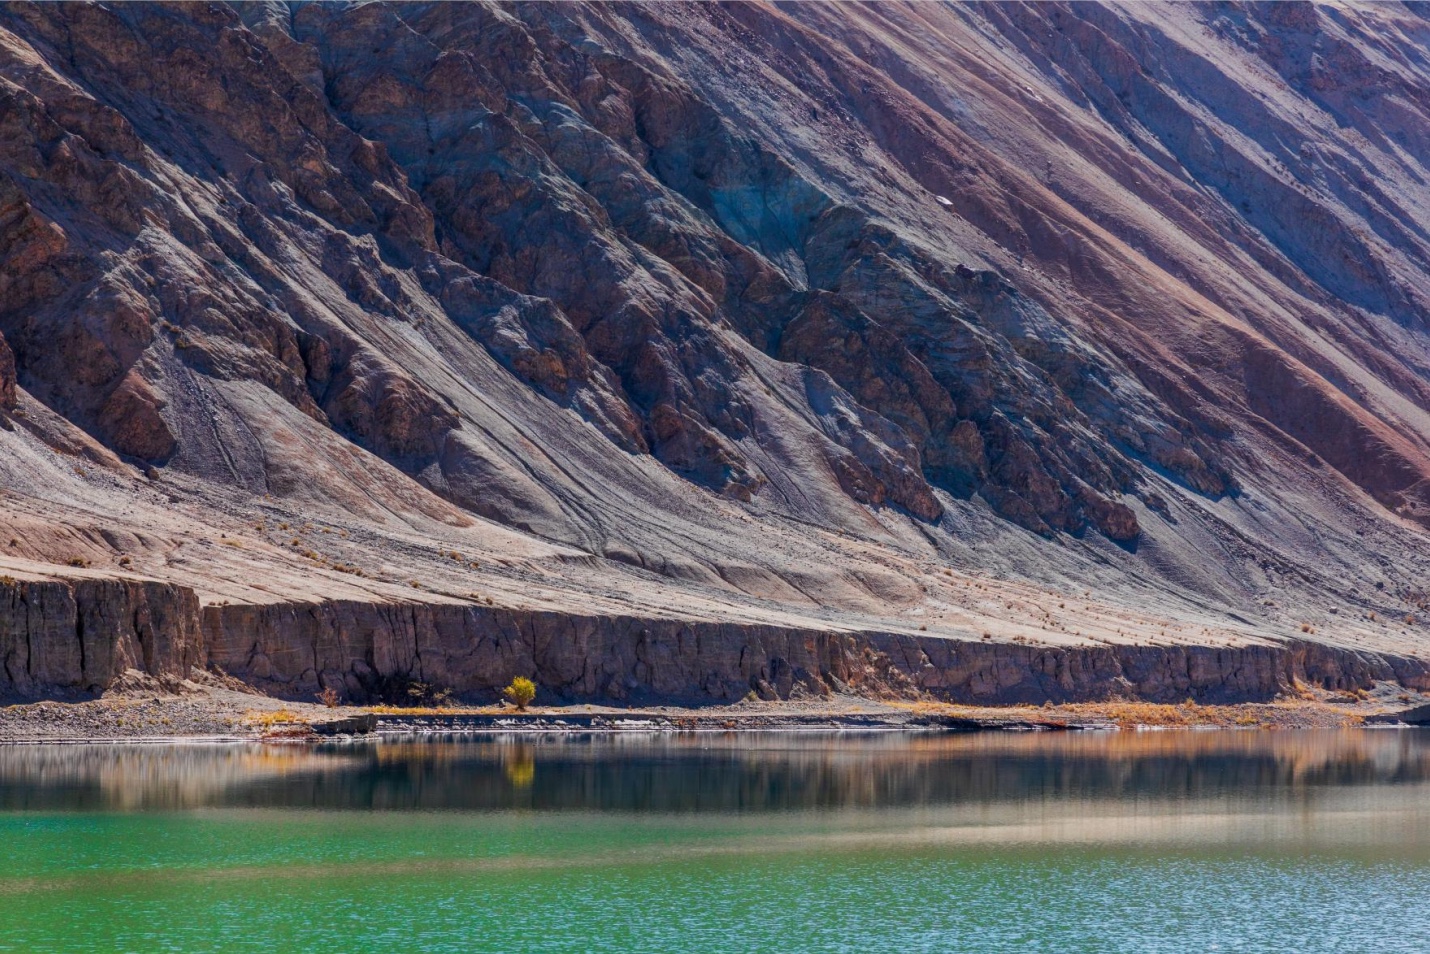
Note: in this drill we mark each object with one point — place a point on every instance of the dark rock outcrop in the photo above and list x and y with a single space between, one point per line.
78 636
365 650
8 396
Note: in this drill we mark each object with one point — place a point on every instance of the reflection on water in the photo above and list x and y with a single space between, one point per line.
742 773
1129 843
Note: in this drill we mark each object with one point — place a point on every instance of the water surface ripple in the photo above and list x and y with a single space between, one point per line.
1138 842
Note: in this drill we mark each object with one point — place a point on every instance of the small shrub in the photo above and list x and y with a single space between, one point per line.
125 561
329 697
520 693
77 561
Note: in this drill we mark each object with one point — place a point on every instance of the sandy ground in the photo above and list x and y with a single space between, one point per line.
220 712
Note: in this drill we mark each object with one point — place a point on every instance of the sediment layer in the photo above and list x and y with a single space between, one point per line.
68 638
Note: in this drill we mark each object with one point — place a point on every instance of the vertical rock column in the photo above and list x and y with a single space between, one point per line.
78 636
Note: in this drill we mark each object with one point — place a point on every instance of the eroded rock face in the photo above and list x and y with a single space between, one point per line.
7 378
640 217
594 218
369 652
1048 289
77 637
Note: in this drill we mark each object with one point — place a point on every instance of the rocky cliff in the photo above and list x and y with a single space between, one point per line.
650 334
77 639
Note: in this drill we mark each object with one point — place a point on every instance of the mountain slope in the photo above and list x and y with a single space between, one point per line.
872 319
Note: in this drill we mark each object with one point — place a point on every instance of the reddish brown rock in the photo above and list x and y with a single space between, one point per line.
7 378
133 423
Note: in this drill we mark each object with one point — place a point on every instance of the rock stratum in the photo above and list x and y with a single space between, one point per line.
998 352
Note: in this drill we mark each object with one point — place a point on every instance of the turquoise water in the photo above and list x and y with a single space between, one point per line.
1137 842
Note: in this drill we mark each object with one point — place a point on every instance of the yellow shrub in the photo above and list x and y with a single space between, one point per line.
521 691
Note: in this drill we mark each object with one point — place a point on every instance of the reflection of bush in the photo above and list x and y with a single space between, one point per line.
521 767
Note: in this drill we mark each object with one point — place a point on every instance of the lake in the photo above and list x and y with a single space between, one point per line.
1302 841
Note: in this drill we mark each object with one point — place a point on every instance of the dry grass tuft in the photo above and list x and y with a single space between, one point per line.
432 710
272 717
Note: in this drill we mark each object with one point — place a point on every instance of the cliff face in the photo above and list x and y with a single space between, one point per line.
77 639
377 652
1087 325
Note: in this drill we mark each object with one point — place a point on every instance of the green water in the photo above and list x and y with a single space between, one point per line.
1137 842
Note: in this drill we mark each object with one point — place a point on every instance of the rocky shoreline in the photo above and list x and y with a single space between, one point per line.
189 711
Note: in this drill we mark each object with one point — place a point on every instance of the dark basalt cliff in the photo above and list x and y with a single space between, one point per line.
682 349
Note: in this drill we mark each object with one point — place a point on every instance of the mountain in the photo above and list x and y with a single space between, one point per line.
994 351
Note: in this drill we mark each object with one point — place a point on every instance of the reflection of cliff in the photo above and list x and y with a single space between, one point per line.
716 774
145 777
